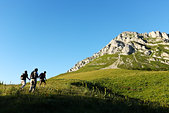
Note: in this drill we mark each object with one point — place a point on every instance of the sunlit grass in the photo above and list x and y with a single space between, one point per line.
145 85
112 89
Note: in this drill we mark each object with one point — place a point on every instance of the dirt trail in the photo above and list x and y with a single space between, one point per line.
135 57
114 65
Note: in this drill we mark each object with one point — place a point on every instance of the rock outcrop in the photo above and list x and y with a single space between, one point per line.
128 43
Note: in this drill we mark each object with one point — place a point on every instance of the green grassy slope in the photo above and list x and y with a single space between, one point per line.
136 61
145 85
111 90
101 62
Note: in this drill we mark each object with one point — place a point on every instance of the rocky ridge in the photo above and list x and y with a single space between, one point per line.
128 43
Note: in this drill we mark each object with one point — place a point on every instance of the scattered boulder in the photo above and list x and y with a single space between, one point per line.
164 54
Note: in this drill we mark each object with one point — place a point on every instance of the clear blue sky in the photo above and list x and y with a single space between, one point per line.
53 35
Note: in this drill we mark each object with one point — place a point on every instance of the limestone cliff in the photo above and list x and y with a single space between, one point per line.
128 43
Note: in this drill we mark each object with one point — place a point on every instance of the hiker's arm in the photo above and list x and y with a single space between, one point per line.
27 77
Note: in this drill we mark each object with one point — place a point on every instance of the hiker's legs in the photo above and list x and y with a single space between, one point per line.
23 82
32 82
40 82
35 84
44 83
30 89
33 88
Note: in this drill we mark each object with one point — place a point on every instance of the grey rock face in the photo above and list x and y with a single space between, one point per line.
164 35
152 34
128 43
155 34
128 49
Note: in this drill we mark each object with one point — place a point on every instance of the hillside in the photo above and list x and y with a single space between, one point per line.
145 85
99 91
131 50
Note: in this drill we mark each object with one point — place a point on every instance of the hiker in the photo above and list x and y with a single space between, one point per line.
33 77
42 78
23 79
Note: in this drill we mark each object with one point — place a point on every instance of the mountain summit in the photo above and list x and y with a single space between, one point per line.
131 50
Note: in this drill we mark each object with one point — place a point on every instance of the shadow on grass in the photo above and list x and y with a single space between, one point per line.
70 104
121 103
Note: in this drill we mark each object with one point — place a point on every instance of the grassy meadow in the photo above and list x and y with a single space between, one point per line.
99 91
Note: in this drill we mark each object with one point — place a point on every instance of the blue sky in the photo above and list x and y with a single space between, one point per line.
53 35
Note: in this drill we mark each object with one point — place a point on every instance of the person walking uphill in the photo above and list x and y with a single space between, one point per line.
23 79
33 77
42 78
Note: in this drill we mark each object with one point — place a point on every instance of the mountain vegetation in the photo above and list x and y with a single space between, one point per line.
108 90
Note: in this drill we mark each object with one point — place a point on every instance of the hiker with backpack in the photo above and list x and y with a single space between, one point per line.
23 79
42 78
33 82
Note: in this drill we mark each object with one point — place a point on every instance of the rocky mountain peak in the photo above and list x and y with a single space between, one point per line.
127 43
155 34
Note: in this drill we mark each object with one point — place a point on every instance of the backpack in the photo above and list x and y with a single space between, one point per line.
32 75
22 77
42 76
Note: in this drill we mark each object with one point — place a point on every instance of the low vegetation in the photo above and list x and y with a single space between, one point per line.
99 63
112 90
137 61
145 85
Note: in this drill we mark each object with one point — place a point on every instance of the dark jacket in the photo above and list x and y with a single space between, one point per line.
24 76
42 76
34 75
